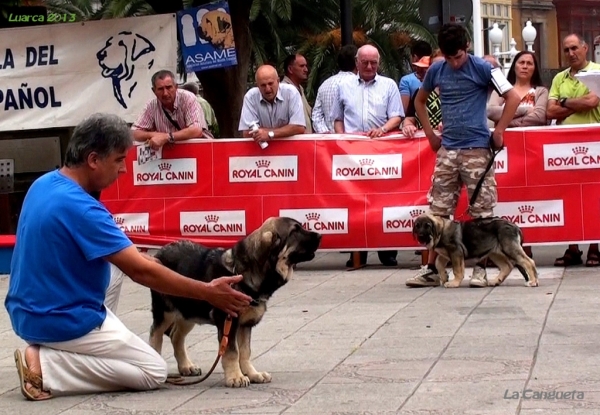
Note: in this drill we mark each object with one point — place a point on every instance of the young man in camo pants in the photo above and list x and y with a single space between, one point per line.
463 152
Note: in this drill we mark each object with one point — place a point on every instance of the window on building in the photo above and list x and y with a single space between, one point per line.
496 13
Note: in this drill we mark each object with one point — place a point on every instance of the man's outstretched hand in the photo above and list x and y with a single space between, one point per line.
224 297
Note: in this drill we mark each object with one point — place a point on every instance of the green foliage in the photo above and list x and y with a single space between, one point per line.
309 27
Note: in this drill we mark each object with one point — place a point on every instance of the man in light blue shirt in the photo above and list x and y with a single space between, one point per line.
409 84
368 103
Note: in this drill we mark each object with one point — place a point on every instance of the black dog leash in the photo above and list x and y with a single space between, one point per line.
494 150
182 381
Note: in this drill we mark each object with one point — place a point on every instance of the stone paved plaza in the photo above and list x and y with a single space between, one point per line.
361 342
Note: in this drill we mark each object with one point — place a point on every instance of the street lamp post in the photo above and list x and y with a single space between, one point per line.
505 58
529 34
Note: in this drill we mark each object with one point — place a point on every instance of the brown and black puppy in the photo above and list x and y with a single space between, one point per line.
266 258
456 241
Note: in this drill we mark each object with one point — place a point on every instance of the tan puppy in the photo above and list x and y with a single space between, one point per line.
455 241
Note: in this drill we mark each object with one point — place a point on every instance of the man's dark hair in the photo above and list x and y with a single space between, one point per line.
536 77
162 74
347 58
453 38
99 133
420 48
289 60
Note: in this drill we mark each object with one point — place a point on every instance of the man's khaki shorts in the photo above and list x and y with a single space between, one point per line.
453 168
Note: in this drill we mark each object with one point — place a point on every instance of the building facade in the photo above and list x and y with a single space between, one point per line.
581 17
542 15
511 16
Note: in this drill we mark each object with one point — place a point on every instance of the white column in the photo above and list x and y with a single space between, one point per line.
477 29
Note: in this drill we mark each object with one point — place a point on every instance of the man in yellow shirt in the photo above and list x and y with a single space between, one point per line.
571 102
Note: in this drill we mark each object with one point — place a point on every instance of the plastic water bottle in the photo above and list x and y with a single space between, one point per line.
254 126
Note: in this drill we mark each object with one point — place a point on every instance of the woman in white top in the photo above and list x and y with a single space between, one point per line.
524 75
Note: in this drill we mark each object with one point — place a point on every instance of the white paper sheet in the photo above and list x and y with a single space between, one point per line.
591 79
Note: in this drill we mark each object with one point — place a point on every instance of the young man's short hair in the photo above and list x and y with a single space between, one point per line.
453 38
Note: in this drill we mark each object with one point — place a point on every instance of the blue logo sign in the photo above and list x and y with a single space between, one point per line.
207 37
119 58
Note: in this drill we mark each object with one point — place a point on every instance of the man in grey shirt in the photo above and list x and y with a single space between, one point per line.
277 108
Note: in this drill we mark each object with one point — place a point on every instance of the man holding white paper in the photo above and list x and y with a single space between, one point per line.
571 102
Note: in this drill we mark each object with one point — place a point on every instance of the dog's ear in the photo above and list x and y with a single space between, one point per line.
437 228
140 47
268 245
269 239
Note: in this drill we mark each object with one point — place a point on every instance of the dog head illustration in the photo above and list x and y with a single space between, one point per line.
215 27
118 59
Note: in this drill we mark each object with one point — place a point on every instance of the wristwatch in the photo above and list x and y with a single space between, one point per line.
563 102
384 130
171 138
271 134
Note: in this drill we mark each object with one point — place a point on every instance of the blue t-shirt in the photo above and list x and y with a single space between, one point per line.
409 84
58 276
463 95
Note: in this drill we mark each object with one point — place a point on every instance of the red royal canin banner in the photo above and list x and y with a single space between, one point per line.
359 193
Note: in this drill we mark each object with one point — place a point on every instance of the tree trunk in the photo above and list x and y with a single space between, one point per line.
225 88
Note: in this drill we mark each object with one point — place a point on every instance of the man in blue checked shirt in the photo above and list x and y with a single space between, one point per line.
328 91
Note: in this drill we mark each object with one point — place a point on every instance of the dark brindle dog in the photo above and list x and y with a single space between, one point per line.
455 241
266 258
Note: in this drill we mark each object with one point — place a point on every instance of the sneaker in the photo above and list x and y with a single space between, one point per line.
426 277
479 277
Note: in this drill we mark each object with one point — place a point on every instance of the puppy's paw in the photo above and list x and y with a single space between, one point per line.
260 377
189 370
237 380
494 283
531 284
452 284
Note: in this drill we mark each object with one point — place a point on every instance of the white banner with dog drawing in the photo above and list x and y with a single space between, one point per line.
56 75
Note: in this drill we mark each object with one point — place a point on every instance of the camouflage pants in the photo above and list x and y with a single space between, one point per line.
453 168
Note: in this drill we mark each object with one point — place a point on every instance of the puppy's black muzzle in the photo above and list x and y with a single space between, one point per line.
422 236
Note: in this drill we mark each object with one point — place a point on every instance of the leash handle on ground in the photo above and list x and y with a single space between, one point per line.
182 381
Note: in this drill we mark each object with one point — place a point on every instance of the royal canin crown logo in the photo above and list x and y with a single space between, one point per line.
366 162
526 209
263 163
580 150
164 166
313 216
415 213
119 220
211 218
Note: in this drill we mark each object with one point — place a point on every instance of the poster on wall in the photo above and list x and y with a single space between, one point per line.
206 37
55 75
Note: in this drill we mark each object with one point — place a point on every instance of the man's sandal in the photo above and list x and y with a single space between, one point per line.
35 392
569 258
593 259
